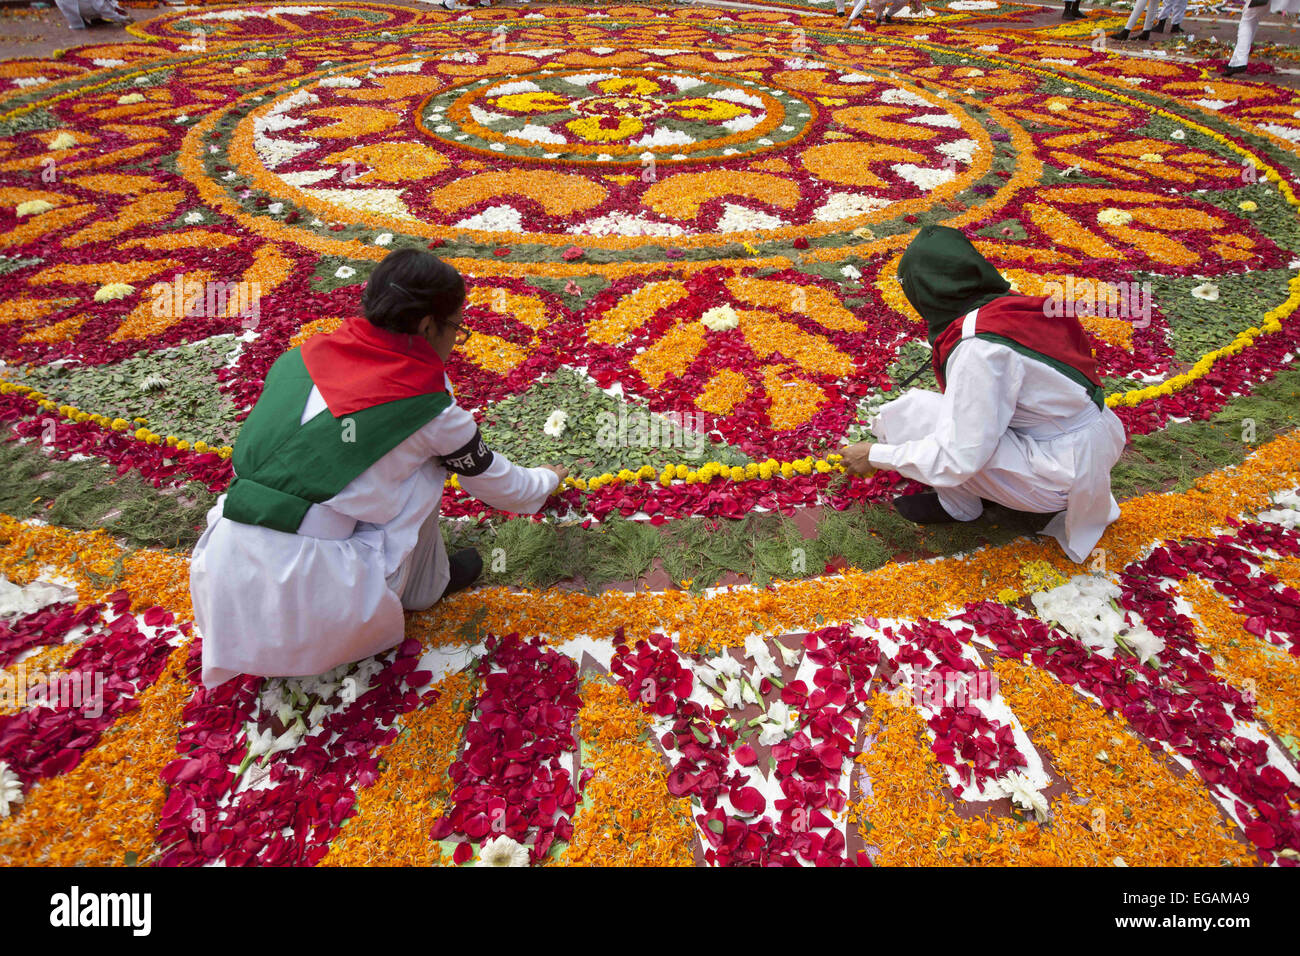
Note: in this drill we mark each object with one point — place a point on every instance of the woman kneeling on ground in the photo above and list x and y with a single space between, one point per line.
330 527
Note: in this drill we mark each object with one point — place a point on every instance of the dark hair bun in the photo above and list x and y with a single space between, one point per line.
409 285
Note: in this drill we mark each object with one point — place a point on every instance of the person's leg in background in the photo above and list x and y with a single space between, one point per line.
1250 17
1177 10
853 14
71 10
1173 10
1139 8
1072 11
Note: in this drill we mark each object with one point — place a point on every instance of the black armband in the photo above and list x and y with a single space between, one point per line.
472 458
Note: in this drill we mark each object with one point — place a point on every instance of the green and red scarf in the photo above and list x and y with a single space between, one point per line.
945 278
379 387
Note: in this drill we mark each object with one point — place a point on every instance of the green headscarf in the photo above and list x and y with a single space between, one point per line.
944 277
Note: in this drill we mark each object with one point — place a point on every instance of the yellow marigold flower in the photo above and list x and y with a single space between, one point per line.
737 473
171 439
119 424
202 447
1248 206
142 434
1114 217
787 470
823 467
182 446
113 291
1008 596
33 207
682 471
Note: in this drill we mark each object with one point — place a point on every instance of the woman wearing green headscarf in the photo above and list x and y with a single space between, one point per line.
1020 418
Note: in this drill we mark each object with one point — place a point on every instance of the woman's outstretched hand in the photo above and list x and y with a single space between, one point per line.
857 458
559 470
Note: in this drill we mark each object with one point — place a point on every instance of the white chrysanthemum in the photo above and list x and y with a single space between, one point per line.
503 851
538 134
18 601
923 177
789 656
937 120
625 224
1178 134
1022 793
33 207
1286 512
897 97
960 150
129 98
1114 217
732 692
114 291
726 665
344 272
193 217
503 218
720 318
64 140
11 789
770 734
1143 642
741 219
383 239
756 650
851 272
1207 291
1086 607
848 205
556 424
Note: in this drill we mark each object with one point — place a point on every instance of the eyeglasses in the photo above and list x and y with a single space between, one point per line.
462 333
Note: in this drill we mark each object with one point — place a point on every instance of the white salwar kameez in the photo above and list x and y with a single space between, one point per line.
1009 429
297 605
1249 24
79 12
